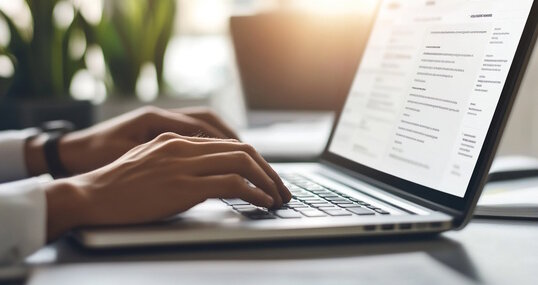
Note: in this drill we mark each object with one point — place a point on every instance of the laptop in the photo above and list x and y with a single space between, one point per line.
411 148
296 60
319 53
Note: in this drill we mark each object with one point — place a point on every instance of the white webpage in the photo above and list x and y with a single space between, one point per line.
426 90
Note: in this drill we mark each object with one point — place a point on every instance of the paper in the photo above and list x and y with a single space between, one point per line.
507 202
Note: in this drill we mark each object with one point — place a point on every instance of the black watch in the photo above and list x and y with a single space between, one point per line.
55 130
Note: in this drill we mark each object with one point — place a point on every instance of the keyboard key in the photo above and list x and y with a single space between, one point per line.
312 201
299 206
350 198
361 211
261 217
314 213
257 214
303 194
287 214
309 186
307 209
235 201
322 202
337 212
348 205
318 191
381 211
328 195
341 204
323 206
244 207
338 200
255 211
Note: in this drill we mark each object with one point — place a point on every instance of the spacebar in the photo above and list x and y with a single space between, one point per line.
287 214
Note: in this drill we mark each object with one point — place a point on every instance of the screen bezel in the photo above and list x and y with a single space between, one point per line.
461 205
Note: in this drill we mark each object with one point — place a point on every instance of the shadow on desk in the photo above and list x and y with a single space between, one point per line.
441 249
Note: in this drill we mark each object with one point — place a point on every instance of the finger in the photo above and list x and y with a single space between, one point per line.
237 162
208 140
210 118
165 121
170 137
203 146
215 146
233 186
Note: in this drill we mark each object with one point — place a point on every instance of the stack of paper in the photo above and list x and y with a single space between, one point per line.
522 203
512 190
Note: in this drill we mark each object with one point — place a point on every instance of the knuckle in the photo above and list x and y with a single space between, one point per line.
242 156
167 136
207 111
150 113
210 113
247 148
176 144
149 110
168 145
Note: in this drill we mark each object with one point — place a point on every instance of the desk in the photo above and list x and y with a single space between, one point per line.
486 251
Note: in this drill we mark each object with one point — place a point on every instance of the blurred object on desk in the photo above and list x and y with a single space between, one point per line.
512 190
513 167
509 203
298 61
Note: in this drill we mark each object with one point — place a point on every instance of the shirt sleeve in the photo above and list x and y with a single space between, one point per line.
22 219
13 166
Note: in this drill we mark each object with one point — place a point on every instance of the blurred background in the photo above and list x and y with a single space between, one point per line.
88 60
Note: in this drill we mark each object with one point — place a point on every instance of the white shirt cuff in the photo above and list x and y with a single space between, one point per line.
22 219
12 151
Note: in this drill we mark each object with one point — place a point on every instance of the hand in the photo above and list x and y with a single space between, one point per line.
161 178
89 149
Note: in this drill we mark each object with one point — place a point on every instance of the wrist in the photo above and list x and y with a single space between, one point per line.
34 155
66 207
70 149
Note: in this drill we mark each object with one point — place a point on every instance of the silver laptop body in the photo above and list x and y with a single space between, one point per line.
411 148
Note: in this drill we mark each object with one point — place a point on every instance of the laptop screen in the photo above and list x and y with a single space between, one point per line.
426 90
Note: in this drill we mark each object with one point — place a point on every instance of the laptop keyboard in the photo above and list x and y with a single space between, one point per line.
310 200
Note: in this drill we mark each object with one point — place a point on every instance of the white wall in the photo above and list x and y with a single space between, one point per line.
521 133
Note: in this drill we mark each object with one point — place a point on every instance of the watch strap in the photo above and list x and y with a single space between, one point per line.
52 155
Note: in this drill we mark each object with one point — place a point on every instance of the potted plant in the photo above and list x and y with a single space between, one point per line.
134 34
43 65
49 52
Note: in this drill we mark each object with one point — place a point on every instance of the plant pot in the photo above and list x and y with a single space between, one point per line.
19 114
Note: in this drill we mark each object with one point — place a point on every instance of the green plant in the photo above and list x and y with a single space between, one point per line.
43 67
131 34
5 79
